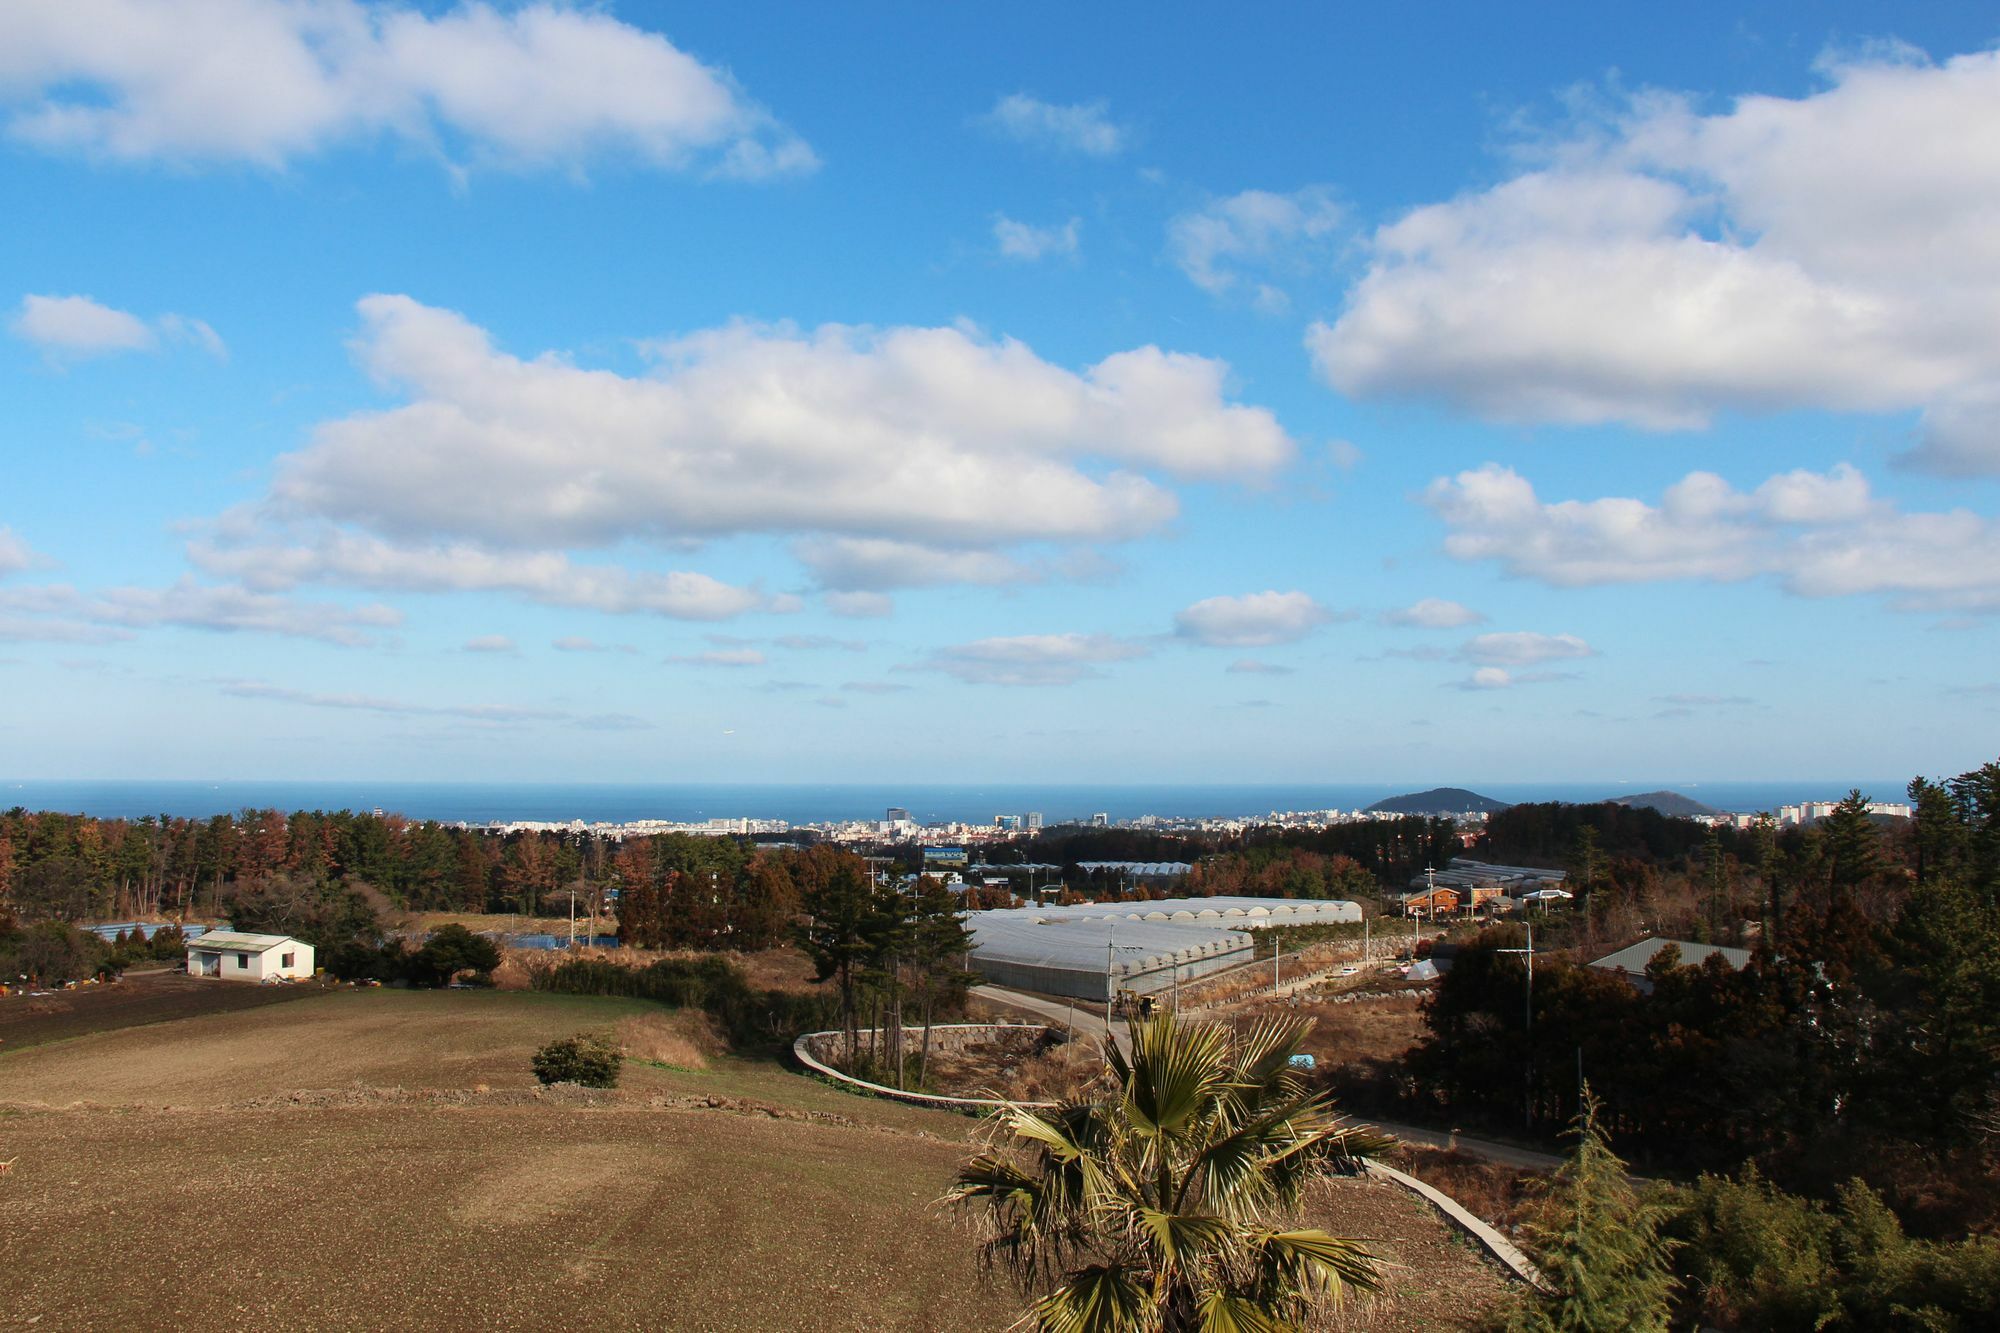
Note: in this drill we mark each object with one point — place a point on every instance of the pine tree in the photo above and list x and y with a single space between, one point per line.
1598 1245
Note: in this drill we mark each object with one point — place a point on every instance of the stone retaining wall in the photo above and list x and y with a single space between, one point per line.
816 1050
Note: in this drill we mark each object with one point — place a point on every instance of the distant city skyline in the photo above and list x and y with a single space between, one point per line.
764 393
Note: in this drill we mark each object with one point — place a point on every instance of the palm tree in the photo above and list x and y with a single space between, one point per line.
1173 1205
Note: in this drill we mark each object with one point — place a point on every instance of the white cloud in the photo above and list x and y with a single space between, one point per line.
1251 621
1820 534
1250 666
1033 659
859 605
722 657
1219 245
491 643
898 457
1489 678
1524 648
190 605
1499 678
195 333
876 563
548 577
1434 613
15 554
268 81
576 643
1022 240
485 714
1673 264
80 326
1081 127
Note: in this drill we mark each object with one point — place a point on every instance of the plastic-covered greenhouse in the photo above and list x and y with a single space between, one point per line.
1093 950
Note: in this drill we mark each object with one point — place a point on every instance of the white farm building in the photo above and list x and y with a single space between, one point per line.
234 956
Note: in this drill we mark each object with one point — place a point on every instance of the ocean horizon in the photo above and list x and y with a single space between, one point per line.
812 803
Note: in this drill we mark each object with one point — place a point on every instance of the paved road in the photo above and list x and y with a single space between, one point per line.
1089 1020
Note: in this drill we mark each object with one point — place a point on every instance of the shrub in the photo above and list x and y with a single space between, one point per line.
588 1058
749 1016
449 951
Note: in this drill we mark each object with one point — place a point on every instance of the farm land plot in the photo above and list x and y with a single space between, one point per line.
342 1151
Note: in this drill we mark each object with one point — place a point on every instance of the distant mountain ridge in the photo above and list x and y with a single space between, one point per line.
1439 801
1669 803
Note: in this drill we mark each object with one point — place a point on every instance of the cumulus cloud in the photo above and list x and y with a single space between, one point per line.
1033 659
491 643
1433 613
75 327
80 326
1080 127
1022 240
576 643
551 578
899 457
1221 245
1672 264
1819 534
269 81
1255 620
187 604
1524 648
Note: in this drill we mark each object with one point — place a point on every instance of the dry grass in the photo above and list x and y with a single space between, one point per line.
1502 1195
1070 1069
678 1038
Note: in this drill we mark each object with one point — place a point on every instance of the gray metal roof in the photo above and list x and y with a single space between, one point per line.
231 941
1634 958
1147 935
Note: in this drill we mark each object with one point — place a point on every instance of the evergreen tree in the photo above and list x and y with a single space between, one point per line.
1598 1245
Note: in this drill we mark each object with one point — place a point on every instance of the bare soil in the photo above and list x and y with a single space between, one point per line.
154 996
378 1158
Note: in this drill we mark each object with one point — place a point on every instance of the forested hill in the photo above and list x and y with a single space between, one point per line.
1439 801
1670 803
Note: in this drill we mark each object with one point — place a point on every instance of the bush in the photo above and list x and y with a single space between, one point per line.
589 1059
714 984
1756 1257
449 951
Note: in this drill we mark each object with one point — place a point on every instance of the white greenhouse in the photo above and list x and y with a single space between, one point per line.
1094 950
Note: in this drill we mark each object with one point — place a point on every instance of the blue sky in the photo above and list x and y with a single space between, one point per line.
773 392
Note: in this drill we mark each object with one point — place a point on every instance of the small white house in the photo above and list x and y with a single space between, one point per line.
234 956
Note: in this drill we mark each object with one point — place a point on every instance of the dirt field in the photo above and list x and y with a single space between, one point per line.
368 1159
139 997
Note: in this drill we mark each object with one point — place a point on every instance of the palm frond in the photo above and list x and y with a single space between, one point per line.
1313 1260
1178 1070
1180 1237
1103 1298
1226 1312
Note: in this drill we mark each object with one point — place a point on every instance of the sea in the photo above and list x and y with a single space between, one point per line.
806 803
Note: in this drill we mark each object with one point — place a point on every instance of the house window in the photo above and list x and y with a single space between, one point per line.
243 960
285 960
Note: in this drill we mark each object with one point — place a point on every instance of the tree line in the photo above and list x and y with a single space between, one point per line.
1862 1039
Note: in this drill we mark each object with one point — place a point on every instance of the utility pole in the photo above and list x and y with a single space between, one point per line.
1528 1028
